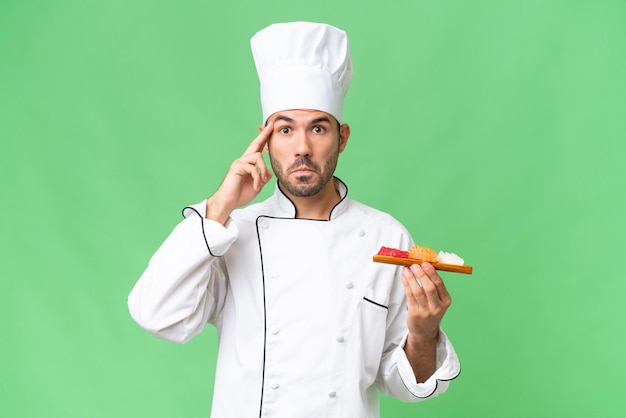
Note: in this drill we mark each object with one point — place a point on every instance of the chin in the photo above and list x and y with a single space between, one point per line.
300 189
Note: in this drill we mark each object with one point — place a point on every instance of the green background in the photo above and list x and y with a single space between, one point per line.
493 129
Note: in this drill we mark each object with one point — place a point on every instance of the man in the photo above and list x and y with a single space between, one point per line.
308 325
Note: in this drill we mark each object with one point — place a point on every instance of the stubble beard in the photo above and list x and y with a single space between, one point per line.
302 187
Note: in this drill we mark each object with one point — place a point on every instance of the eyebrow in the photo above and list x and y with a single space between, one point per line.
285 118
313 122
322 119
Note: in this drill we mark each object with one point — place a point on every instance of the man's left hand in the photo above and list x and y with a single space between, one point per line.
428 299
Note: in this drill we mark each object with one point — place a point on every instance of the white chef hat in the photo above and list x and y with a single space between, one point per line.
302 65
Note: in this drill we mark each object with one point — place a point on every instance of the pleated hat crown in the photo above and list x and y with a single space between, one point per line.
302 65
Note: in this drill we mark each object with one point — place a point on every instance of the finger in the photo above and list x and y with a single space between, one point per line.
259 142
406 283
413 287
266 174
437 281
245 167
431 295
253 164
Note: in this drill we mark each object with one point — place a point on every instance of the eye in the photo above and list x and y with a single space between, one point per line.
284 130
318 129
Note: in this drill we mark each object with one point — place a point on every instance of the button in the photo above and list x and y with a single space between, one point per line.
339 338
275 331
349 285
275 386
361 232
332 394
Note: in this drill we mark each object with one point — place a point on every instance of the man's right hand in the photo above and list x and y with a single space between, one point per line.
243 181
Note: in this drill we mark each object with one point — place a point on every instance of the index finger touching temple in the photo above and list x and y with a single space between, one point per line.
259 142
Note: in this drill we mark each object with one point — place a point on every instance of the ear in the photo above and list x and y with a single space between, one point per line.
344 135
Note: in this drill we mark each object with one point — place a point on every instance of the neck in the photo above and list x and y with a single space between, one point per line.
318 206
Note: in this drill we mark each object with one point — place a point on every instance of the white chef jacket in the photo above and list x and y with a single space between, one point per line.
308 325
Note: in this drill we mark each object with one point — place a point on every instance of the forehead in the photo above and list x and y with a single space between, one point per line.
301 116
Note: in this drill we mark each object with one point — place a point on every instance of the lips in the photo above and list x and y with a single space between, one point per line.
303 170
303 165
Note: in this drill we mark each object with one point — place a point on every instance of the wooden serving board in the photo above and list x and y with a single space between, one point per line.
410 261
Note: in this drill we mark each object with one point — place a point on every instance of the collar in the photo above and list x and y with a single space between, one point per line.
288 209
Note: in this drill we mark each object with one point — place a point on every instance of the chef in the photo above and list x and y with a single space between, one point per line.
308 325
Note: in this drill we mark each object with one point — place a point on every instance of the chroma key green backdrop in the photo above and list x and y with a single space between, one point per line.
490 128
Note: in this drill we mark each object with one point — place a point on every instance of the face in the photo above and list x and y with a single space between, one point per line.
304 149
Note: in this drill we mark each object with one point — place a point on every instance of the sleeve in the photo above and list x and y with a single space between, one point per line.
448 368
396 377
185 281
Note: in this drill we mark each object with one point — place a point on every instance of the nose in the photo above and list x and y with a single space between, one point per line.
302 145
